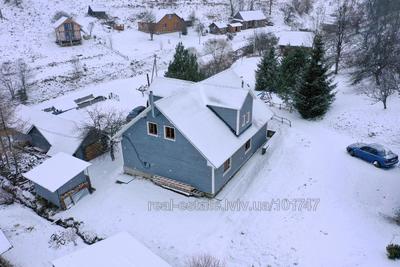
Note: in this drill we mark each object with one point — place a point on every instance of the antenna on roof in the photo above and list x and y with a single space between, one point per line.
154 70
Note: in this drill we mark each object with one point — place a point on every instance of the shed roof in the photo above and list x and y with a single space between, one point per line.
60 21
97 8
220 24
252 15
120 250
295 38
63 135
235 24
56 171
5 245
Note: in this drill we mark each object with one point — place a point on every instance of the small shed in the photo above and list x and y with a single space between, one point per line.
120 250
5 245
97 11
61 180
234 27
218 28
251 19
289 40
68 32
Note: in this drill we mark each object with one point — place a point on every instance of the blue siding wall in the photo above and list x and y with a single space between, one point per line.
38 140
177 159
247 107
229 116
239 158
55 197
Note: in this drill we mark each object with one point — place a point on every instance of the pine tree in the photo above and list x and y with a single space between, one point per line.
267 72
184 65
291 73
315 94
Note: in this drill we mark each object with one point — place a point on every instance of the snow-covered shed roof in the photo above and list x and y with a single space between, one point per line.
56 171
5 245
187 108
160 13
59 21
295 38
120 250
162 86
220 24
97 8
252 15
235 24
62 134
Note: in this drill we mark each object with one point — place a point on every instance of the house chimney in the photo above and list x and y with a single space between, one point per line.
151 103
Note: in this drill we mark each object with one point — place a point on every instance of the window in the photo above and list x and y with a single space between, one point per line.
165 25
152 129
247 146
169 133
227 165
243 120
248 117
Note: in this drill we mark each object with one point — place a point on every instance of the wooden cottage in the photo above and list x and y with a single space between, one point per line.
61 180
251 19
165 22
218 28
234 27
68 32
289 40
97 11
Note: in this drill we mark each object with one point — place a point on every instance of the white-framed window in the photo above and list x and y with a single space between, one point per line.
152 128
169 133
248 117
227 165
247 146
243 120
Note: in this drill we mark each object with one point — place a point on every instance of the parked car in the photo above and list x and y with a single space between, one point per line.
376 154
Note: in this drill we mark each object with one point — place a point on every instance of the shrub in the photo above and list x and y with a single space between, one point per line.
393 251
205 261
5 263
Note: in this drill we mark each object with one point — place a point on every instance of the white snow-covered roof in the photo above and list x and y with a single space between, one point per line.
187 108
220 24
59 21
162 86
56 171
63 135
120 250
252 15
160 13
295 38
5 245
97 8
235 24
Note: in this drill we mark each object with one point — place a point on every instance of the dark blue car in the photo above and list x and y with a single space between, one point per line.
374 153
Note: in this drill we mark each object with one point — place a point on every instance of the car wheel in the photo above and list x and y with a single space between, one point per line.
351 152
376 164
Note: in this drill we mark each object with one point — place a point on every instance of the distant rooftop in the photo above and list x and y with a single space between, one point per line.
295 38
252 15
4 243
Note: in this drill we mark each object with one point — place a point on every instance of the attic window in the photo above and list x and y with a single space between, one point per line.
227 166
169 133
152 129
243 120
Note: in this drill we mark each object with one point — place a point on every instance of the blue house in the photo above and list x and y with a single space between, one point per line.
196 135
61 180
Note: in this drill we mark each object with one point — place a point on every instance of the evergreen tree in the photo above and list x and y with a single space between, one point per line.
315 95
291 73
184 65
267 72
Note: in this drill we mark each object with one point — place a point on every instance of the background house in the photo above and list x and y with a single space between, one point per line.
61 180
218 28
68 32
294 39
197 134
234 27
251 19
97 11
165 22
120 250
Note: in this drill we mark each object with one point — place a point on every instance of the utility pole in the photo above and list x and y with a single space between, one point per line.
154 70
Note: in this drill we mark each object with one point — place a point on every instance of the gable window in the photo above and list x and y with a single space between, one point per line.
243 120
227 166
169 133
248 117
152 129
247 146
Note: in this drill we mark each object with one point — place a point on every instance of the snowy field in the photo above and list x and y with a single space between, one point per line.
348 227
343 222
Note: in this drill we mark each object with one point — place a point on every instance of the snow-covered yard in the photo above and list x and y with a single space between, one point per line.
348 227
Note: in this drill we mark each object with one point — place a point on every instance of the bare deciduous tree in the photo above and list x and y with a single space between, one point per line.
221 53
199 28
102 126
205 261
24 74
7 79
76 68
149 18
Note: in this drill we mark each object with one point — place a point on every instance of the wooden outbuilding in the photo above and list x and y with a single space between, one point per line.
165 22
251 19
68 32
97 11
234 27
218 28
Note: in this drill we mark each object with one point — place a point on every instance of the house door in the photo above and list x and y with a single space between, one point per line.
69 34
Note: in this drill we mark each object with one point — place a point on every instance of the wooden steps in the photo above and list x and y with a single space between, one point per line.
176 186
